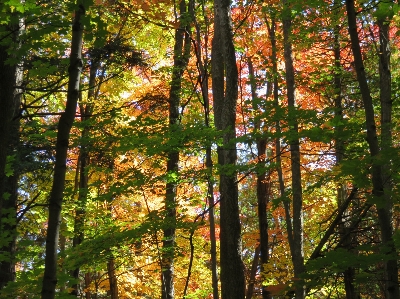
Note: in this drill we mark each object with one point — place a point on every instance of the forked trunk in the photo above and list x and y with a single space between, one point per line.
225 93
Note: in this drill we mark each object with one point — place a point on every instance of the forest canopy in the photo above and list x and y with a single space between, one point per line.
199 149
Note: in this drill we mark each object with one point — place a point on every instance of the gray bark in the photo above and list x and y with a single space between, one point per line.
225 93
298 251
262 184
213 239
210 184
181 56
379 191
204 76
274 59
64 128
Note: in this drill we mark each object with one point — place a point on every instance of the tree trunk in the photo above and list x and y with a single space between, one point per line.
298 252
213 239
262 184
379 187
385 80
9 204
262 199
224 71
10 97
349 273
209 164
181 56
253 273
274 59
84 160
64 128
112 279
204 75
88 281
9 210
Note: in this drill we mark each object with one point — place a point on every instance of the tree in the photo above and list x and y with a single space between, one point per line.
298 180
64 128
203 69
262 181
225 92
84 161
10 99
384 205
181 56
298 251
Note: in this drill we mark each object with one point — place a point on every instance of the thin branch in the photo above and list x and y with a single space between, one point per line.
334 223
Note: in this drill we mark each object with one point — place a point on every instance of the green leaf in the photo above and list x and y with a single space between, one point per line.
9 171
385 11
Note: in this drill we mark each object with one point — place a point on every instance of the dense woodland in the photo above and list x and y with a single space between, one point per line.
199 149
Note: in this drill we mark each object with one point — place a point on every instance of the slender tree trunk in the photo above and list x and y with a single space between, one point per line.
112 279
210 194
8 228
203 72
253 273
211 204
385 87
7 94
9 210
88 281
385 81
262 199
10 97
339 145
349 273
181 56
64 128
62 246
262 184
213 239
298 252
84 160
225 93
380 191
274 59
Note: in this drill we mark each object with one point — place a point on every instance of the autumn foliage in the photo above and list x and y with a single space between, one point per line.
148 95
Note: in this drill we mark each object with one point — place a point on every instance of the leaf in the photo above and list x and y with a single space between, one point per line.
9 170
